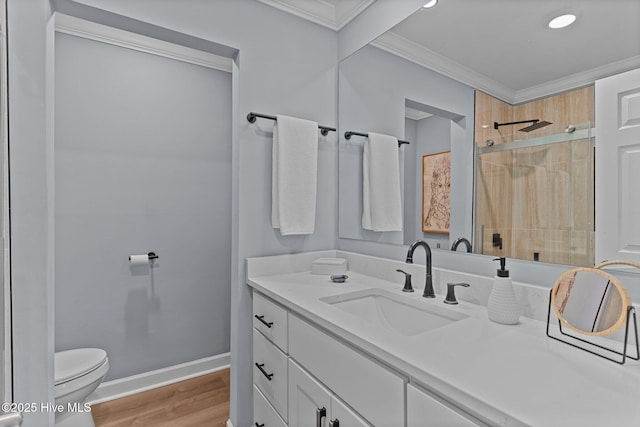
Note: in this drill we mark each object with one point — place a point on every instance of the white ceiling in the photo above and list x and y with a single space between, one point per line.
504 47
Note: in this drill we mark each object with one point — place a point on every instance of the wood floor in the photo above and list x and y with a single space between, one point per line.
198 402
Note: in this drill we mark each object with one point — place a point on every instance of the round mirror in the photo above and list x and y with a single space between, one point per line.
590 301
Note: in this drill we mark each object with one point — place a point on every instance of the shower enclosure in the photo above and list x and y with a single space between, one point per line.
534 198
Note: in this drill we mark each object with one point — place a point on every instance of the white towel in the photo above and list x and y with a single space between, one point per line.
382 203
294 175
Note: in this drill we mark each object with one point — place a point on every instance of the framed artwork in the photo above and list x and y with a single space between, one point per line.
436 192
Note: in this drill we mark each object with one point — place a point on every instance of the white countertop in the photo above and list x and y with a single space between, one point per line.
507 375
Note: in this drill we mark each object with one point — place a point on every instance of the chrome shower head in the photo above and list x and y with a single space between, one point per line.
537 124
534 126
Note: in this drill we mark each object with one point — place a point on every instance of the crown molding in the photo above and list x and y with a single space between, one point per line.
418 54
574 81
347 10
427 58
322 12
93 31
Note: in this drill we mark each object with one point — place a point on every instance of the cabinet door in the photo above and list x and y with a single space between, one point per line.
309 401
425 411
341 416
368 387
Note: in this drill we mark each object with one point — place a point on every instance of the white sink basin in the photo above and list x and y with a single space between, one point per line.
406 315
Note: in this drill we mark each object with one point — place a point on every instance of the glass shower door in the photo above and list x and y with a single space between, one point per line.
534 198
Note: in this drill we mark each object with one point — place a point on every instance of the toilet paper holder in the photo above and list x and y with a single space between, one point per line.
151 255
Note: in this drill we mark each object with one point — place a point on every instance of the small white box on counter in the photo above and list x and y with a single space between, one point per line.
329 266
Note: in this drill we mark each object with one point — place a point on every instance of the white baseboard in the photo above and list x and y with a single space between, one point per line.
127 386
229 423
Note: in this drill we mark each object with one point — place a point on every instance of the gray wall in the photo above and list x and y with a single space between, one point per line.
373 88
429 135
142 162
31 230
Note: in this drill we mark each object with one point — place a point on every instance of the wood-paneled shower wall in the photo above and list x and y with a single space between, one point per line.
538 199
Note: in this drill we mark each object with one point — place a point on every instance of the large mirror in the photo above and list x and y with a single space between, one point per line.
377 91
424 80
590 301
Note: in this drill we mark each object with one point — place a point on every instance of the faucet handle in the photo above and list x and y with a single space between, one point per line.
407 281
451 292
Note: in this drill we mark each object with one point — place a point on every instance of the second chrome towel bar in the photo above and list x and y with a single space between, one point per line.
349 133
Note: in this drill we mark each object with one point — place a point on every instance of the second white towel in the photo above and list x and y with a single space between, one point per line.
294 175
382 202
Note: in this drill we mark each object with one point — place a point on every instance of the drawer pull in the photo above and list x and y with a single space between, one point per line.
320 414
259 366
334 423
261 318
259 425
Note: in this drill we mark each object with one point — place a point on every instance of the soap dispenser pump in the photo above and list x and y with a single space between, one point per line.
503 305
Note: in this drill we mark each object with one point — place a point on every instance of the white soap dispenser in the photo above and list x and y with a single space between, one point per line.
503 305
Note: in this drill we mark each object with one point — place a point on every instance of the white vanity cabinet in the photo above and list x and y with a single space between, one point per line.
311 404
424 410
304 376
299 369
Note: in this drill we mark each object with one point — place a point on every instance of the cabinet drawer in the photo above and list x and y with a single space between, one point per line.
263 413
270 372
270 319
372 390
424 410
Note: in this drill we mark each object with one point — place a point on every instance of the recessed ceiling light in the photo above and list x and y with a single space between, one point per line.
562 21
430 4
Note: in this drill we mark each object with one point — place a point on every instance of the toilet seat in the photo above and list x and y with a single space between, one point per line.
72 364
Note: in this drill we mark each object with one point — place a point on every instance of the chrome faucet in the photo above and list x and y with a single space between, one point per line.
459 240
428 285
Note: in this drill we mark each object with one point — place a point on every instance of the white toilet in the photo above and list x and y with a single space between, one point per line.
78 373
